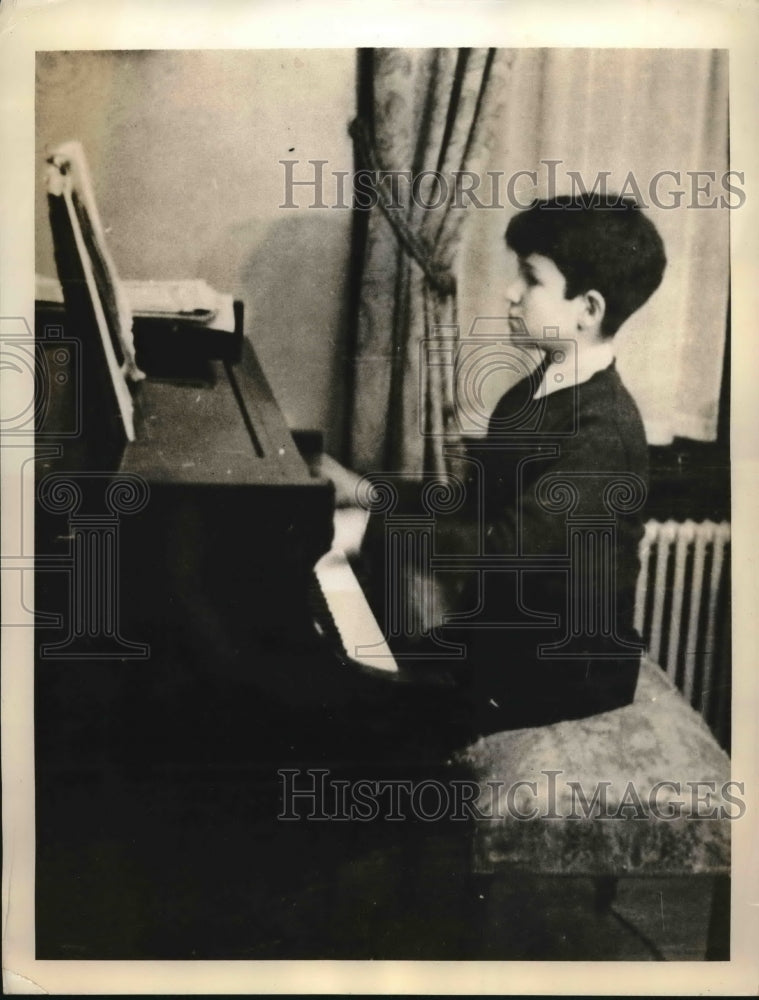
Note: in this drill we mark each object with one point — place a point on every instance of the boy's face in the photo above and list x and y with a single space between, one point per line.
537 305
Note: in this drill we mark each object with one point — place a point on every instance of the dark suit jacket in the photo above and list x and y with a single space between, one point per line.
563 477
549 474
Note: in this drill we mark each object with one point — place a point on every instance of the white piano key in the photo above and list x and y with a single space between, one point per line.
359 630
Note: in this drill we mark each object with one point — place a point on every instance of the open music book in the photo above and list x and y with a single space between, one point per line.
191 300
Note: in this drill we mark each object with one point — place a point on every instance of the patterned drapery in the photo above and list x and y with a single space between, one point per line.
426 116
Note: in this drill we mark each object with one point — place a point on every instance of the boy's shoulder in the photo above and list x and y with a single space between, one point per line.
606 397
600 409
608 419
598 417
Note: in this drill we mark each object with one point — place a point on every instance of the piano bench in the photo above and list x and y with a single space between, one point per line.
668 804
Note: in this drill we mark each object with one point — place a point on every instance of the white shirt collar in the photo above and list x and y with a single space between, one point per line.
569 366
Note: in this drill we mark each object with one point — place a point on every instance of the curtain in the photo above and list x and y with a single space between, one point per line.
426 115
629 113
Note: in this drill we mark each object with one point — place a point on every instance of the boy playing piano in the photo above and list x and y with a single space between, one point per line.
557 482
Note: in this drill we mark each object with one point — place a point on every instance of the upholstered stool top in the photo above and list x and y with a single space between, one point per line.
641 790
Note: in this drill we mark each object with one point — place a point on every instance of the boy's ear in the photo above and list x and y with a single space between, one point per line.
595 308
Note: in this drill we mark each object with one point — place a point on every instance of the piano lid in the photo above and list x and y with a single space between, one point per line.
227 432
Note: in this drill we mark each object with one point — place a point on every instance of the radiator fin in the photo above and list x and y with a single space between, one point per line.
682 611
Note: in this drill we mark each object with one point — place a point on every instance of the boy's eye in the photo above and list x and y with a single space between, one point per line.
528 276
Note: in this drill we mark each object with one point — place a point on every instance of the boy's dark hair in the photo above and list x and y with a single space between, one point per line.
605 244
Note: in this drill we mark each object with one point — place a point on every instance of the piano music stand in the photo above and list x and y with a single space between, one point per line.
92 291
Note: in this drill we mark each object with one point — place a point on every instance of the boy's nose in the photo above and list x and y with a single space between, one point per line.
514 291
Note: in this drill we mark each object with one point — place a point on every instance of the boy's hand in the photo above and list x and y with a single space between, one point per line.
345 481
350 525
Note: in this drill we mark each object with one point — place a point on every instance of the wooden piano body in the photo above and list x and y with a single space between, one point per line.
235 522
211 571
197 602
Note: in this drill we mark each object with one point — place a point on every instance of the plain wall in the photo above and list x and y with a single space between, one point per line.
184 150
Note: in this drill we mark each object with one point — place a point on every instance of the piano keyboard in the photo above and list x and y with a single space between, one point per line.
343 616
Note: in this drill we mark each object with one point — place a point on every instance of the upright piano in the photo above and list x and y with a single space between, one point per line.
223 585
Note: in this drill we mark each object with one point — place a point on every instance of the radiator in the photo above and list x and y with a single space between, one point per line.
682 611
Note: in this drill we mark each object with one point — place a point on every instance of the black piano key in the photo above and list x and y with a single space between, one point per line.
322 616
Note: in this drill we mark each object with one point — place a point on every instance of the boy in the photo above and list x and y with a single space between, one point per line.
562 475
550 529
